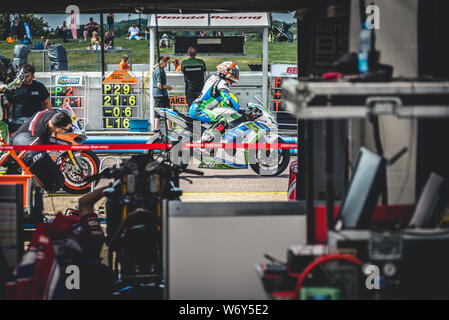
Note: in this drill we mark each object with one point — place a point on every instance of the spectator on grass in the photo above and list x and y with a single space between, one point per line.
124 63
110 22
14 19
41 44
62 31
165 41
26 41
73 25
90 28
95 41
108 41
133 32
176 64
147 33
47 44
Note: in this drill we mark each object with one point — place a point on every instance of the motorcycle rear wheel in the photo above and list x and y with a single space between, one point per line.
264 169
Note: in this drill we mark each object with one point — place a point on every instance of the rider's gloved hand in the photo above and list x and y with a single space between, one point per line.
250 115
247 113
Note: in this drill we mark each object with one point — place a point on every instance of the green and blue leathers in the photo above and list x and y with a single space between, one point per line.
256 125
215 91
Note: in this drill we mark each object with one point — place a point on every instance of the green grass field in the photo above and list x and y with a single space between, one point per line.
277 51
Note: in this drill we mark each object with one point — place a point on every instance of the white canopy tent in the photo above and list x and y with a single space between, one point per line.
214 21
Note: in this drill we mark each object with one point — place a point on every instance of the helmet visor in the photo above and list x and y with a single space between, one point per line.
234 73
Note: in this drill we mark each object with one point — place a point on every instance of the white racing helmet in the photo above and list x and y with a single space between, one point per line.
229 70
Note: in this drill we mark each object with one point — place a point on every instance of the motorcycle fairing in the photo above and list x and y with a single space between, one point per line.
247 131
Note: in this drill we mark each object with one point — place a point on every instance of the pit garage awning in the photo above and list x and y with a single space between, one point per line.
214 21
150 6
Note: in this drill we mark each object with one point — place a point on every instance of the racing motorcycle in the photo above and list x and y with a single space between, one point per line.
258 125
75 165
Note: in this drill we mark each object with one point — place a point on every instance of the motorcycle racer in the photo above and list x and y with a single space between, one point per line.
216 90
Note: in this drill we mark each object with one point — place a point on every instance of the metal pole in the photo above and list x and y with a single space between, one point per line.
102 44
304 183
329 174
98 60
165 249
308 175
152 53
265 66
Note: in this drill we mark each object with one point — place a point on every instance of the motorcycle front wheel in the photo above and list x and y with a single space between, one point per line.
268 163
74 178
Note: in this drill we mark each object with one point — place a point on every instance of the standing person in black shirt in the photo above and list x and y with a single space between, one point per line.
30 98
194 73
110 22
42 125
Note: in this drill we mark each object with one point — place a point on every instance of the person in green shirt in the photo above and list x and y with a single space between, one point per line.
194 73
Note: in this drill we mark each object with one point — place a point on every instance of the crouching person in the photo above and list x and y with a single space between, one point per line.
63 259
42 125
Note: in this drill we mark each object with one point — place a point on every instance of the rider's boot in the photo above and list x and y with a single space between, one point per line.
216 130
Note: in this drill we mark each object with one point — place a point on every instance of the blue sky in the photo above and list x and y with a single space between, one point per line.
56 19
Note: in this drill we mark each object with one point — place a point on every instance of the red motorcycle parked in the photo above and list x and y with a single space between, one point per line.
74 165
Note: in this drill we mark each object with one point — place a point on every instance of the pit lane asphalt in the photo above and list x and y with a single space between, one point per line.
238 185
234 185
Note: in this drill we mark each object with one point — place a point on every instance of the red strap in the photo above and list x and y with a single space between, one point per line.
219 128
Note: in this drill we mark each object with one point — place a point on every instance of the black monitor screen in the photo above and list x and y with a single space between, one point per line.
362 196
226 44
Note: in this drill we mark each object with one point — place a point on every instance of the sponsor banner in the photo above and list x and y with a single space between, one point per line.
284 70
259 19
177 100
150 146
120 76
251 19
69 80
179 20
